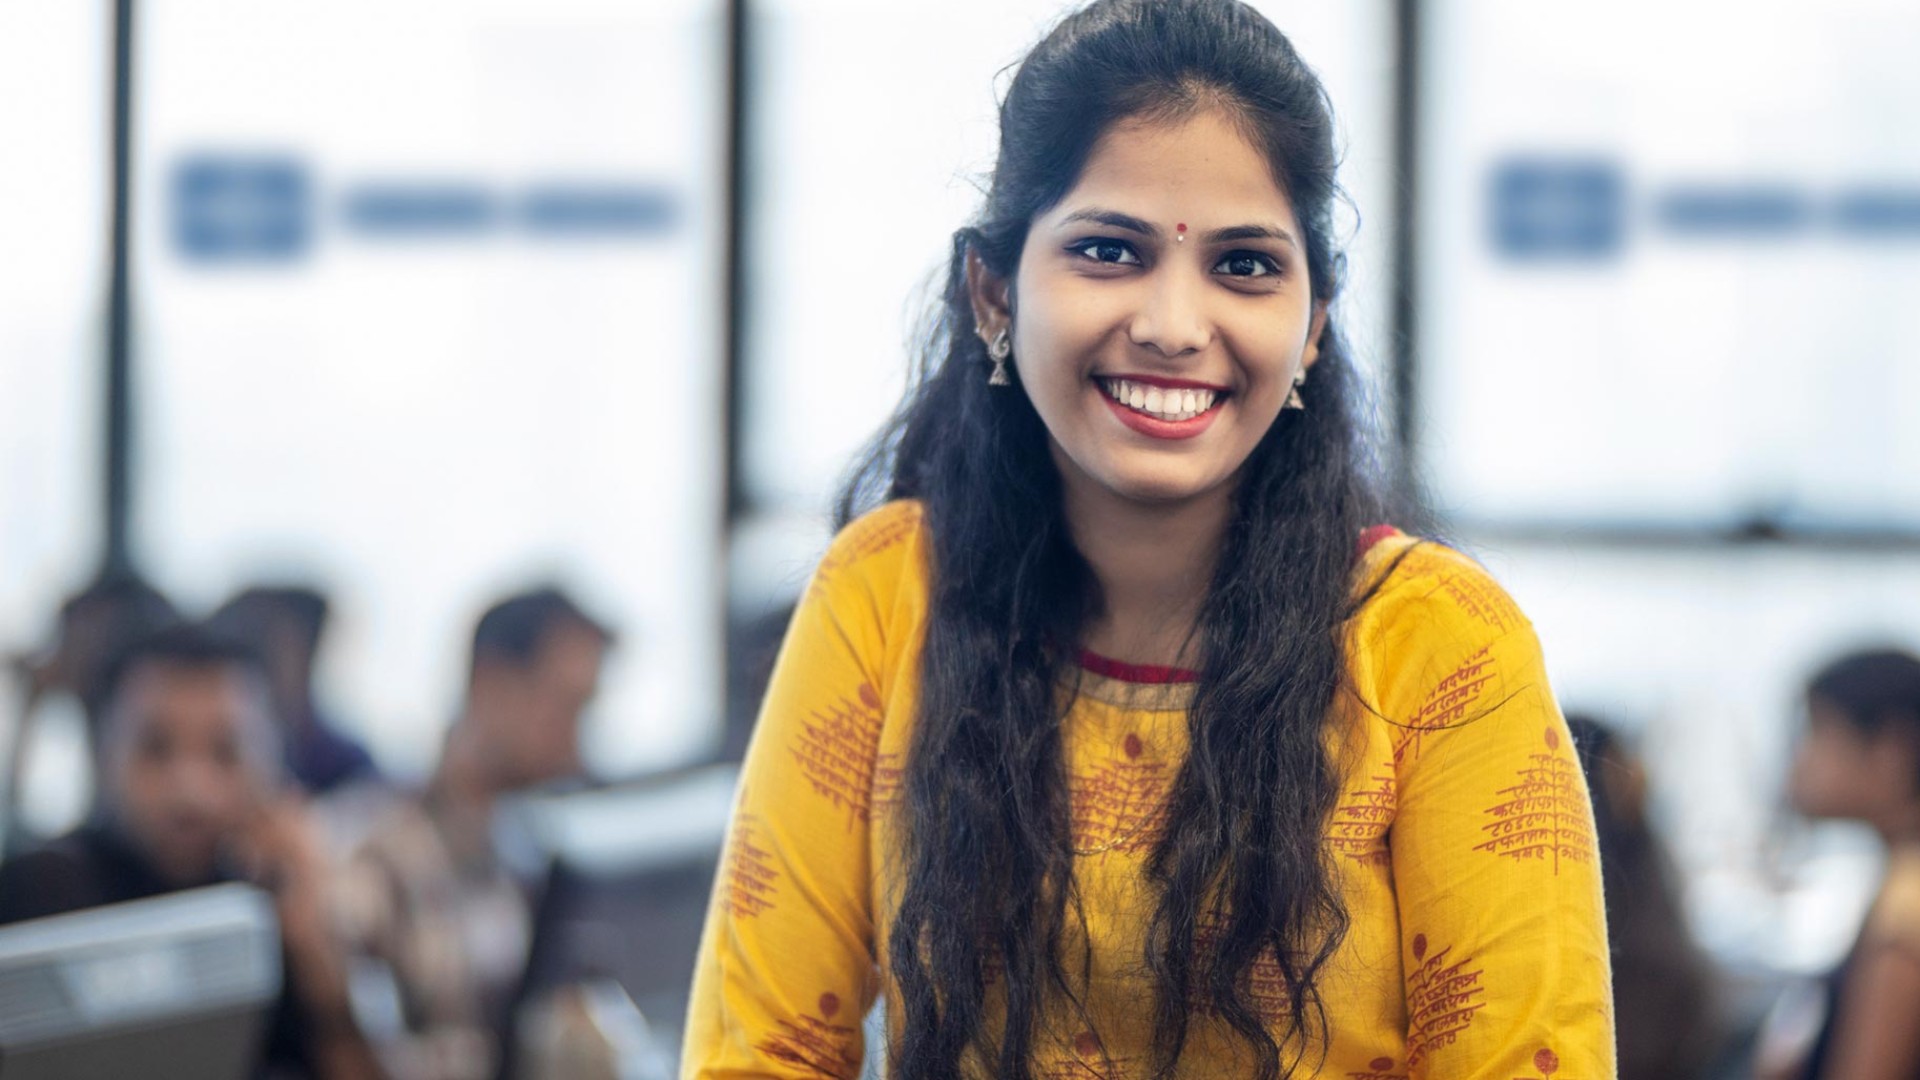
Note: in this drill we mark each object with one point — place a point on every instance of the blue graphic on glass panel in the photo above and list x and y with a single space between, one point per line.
1878 212
229 209
1566 209
420 210
1733 210
579 210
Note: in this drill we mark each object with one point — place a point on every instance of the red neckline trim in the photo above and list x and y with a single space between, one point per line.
1134 673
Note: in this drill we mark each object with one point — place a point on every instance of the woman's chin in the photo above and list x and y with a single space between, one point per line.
1158 483
1150 477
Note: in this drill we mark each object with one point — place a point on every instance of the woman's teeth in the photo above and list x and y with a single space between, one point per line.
1158 402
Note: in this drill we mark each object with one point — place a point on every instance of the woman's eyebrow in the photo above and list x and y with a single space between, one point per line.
1114 218
1251 232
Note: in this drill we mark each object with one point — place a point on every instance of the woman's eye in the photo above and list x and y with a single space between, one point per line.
1247 264
1107 251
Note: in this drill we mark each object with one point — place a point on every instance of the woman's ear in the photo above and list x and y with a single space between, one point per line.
1314 330
992 310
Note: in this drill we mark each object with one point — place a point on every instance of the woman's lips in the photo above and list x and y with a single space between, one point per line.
1163 381
1163 427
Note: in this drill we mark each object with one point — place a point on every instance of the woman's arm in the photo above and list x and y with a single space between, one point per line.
1504 941
786 970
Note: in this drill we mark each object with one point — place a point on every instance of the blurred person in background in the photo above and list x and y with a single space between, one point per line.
1665 991
1859 760
192 795
288 624
1114 735
93 626
428 900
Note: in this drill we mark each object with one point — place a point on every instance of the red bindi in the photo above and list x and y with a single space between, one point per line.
1182 227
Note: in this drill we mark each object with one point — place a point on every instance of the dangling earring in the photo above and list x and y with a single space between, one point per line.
998 350
1293 399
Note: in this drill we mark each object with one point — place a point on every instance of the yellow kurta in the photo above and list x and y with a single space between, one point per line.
1464 842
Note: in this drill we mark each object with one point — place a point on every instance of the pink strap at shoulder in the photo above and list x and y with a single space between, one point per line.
1374 534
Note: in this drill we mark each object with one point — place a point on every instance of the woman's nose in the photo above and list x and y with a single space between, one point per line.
1172 320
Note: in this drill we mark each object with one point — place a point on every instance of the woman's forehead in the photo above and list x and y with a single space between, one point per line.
1204 161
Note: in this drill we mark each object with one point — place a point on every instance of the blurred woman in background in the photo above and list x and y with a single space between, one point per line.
1120 741
1666 993
1859 760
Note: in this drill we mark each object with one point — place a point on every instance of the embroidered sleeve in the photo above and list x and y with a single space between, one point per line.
786 966
1503 933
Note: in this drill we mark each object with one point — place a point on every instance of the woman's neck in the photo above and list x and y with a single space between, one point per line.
1153 562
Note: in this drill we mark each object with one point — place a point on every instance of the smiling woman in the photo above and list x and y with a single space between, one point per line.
1120 309
1123 739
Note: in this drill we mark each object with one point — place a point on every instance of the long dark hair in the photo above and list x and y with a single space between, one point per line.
985 854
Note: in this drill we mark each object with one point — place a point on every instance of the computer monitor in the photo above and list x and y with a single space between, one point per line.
178 986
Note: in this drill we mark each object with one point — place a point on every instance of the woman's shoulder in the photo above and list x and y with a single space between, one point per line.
1436 638
884 525
883 529
1416 584
883 545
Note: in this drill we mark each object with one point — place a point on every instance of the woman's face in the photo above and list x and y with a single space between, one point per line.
1163 309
